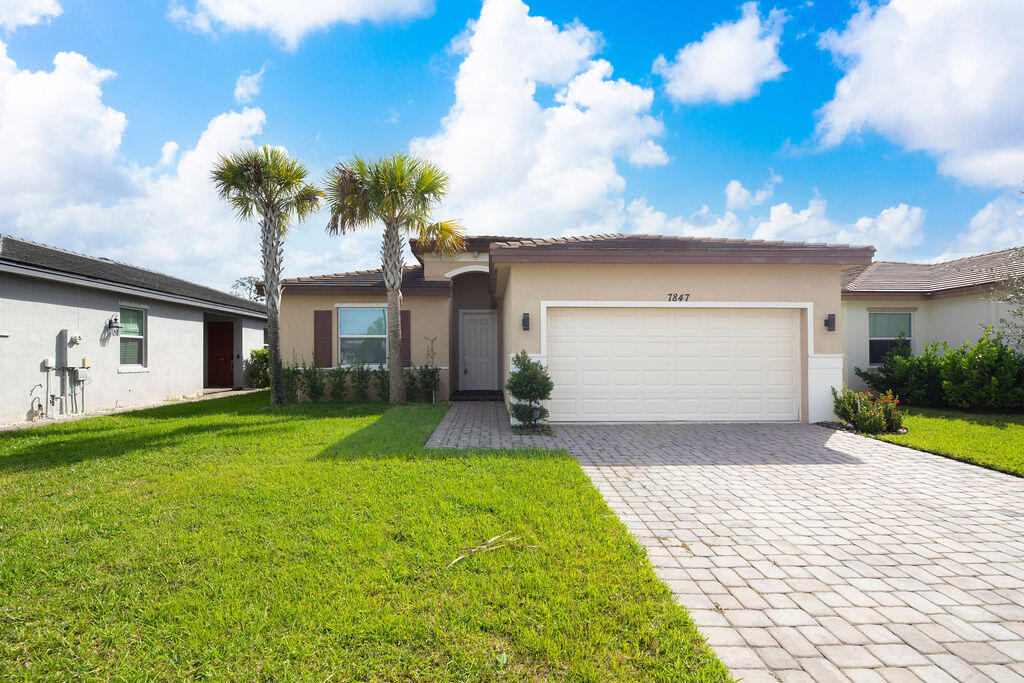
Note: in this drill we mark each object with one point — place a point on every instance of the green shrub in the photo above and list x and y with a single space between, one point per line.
984 375
336 383
412 385
292 376
314 378
428 382
381 383
257 369
529 383
868 415
360 375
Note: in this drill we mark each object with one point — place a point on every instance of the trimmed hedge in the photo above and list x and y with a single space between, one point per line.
982 375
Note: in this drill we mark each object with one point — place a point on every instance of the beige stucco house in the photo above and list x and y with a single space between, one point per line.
631 327
946 302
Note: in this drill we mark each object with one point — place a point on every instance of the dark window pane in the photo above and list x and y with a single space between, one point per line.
372 351
131 351
878 348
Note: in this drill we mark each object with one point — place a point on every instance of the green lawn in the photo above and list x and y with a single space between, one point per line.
994 441
226 539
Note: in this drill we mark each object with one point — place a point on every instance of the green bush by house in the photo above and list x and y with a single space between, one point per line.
258 369
529 384
357 383
868 414
983 375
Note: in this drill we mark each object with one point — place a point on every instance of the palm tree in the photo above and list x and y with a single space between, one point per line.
267 184
400 192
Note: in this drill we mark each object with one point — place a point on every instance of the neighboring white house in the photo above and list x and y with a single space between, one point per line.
79 333
946 302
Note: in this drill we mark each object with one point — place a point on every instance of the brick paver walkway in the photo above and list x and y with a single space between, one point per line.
807 554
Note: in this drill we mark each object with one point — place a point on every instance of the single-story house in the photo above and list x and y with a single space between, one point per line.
631 327
924 302
79 334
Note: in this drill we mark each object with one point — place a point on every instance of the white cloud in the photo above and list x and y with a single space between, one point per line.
998 225
739 197
173 221
248 84
290 22
729 63
15 13
518 166
168 152
59 141
897 227
642 218
941 76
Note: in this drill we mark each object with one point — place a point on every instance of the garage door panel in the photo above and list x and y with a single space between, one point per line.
628 365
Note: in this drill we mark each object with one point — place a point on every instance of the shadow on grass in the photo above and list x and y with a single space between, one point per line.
400 433
111 442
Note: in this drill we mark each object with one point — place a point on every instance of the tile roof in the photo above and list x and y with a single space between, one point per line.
629 248
473 242
412 278
971 271
24 252
656 242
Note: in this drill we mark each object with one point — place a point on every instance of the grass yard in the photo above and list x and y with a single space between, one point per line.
994 441
230 540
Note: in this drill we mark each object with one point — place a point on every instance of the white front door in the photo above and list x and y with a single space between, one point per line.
478 342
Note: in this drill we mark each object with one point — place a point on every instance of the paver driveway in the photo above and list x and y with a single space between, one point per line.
808 554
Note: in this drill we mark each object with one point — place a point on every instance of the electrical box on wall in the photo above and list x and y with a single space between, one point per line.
86 362
49 363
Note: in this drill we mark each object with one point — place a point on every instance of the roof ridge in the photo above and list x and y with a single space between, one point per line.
863 274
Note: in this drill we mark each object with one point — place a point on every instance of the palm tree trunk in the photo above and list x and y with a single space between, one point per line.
391 264
272 248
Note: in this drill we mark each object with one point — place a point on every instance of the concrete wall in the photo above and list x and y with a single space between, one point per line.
32 313
428 317
955 320
525 285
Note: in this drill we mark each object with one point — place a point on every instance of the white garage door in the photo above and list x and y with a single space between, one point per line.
660 364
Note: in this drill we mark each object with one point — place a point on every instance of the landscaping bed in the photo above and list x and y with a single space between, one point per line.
228 539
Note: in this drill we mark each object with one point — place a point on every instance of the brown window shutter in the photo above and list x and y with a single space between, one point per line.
405 322
322 338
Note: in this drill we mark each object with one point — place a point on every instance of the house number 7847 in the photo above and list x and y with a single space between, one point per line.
678 296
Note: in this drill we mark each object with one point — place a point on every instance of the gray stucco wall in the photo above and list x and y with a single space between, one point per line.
33 312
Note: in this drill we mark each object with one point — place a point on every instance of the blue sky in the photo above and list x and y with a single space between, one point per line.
891 124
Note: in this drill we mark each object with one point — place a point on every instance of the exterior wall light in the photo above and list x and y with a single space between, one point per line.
830 322
526 322
114 325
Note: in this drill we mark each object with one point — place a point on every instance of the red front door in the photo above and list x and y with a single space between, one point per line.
220 345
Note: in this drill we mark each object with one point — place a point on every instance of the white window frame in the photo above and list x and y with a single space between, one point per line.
382 306
134 367
909 338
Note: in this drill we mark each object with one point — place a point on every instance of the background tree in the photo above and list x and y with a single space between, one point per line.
246 288
399 191
1012 294
268 185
